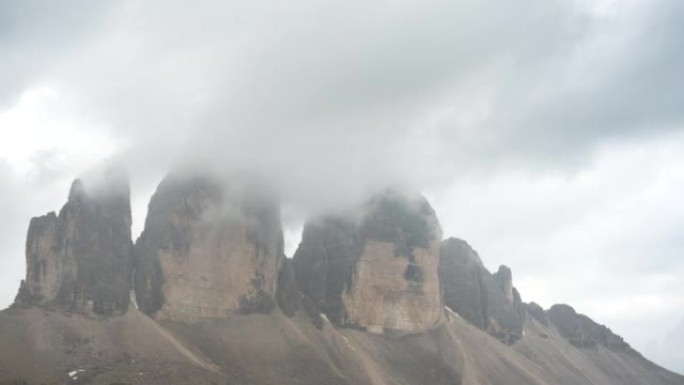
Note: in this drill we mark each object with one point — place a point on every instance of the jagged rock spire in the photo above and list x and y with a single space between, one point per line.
489 301
81 260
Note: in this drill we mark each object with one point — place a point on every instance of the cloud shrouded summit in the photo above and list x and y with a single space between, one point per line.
525 120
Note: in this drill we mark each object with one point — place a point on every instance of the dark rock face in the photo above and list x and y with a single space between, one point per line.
287 294
378 271
583 332
208 249
504 279
537 312
461 276
325 264
82 259
488 301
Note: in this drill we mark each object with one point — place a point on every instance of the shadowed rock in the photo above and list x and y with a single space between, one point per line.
537 312
488 301
583 332
377 271
208 249
462 276
81 260
287 294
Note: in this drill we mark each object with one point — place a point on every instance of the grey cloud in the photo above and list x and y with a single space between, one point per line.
330 100
347 88
35 33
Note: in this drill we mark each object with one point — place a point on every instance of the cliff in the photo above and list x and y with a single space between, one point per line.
208 249
81 260
377 270
488 301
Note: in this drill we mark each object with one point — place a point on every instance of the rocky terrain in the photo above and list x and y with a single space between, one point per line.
371 296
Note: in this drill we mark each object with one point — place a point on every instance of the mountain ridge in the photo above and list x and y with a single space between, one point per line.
380 298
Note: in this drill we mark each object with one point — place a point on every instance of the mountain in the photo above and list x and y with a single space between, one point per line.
372 296
207 250
81 260
377 271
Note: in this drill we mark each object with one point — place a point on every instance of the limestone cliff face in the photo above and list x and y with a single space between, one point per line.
488 301
81 260
378 271
208 250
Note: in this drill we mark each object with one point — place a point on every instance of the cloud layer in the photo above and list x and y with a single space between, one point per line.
547 133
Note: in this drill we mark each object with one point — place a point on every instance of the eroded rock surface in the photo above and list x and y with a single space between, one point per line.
208 249
488 301
81 260
376 271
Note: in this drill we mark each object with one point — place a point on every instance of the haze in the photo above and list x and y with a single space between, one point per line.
548 134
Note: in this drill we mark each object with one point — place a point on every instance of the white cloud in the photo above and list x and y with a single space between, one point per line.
604 238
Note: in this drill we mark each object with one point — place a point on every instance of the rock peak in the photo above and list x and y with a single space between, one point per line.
81 259
76 191
339 261
583 332
208 249
486 300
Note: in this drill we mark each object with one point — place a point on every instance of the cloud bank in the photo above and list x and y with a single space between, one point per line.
547 133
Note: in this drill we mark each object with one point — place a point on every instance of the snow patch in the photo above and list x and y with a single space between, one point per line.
451 314
325 317
74 373
133 300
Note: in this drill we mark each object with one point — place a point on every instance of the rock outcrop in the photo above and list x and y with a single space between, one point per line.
208 249
537 312
377 271
488 301
583 332
81 260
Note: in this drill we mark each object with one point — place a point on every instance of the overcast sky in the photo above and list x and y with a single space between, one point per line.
549 134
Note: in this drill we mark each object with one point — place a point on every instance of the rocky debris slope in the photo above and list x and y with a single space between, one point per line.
561 361
488 301
81 260
208 249
377 270
41 347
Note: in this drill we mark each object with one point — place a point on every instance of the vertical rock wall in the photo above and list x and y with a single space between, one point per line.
81 260
489 301
208 249
377 271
